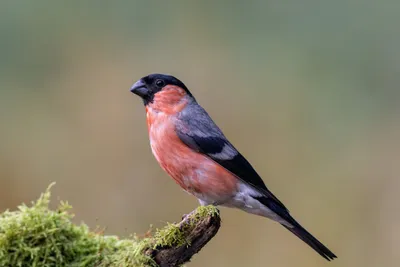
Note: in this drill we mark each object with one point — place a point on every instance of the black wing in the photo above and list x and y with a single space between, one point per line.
198 131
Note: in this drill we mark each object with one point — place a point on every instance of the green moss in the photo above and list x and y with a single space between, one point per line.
37 236
129 253
174 234
168 236
204 211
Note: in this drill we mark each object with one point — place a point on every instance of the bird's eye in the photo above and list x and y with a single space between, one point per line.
160 83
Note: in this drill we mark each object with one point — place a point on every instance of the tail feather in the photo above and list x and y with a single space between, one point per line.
304 235
293 226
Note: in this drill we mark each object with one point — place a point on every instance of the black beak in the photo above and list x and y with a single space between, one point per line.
139 88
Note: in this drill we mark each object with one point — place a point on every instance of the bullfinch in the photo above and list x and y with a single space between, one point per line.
192 149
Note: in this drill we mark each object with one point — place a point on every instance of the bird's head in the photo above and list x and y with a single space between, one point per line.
159 88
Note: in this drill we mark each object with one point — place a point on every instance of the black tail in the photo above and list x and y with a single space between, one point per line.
302 233
296 228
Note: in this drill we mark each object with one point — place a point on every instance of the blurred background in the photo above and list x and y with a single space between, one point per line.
308 91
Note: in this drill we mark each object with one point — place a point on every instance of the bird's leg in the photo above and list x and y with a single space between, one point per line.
204 203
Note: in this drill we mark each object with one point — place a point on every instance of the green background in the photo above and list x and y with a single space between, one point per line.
308 91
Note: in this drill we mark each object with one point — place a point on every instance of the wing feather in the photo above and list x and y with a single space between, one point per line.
197 130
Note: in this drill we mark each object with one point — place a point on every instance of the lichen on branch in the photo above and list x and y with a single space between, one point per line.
38 236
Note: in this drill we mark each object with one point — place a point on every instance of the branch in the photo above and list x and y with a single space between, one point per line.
38 236
198 230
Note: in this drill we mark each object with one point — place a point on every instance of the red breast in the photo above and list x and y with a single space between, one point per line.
194 172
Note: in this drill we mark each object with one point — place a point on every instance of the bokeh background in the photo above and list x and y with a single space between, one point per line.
307 90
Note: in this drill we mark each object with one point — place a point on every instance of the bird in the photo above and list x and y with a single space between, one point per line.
193 150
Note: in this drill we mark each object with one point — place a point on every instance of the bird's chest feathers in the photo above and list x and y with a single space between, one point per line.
193 171
166 146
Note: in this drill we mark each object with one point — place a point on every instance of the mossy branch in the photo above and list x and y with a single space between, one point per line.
38 236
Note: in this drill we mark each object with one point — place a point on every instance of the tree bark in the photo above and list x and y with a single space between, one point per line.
197 236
